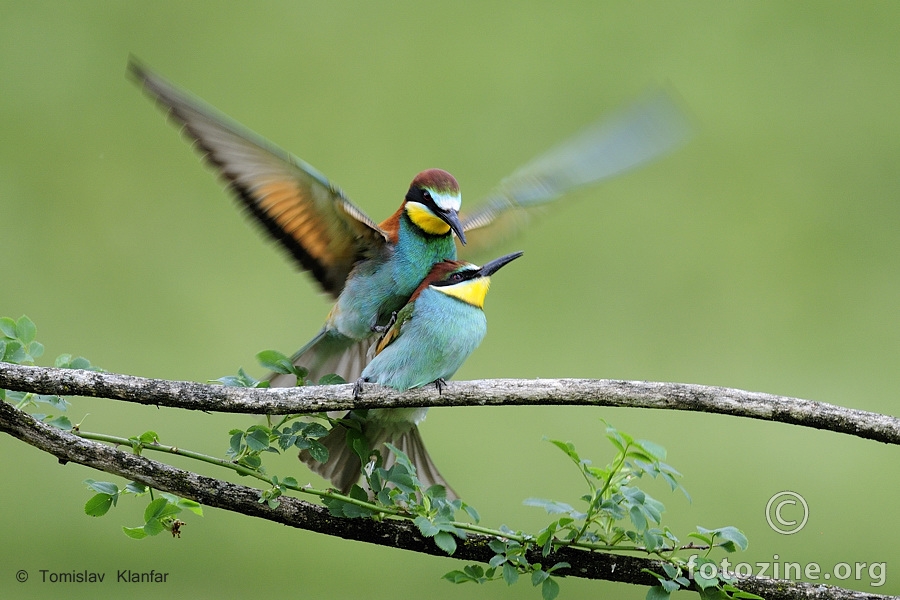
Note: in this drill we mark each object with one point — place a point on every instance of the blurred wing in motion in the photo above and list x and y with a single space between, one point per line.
644 131
317 225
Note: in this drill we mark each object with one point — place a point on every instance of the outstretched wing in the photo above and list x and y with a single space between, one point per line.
645 130
317 225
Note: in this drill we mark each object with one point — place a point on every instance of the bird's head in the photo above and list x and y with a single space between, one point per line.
433 202
465 281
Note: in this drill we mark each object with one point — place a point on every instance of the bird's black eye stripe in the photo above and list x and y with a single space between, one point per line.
458 277
428 200
422 196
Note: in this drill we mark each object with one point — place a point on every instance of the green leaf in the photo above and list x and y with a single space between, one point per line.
652 448
510 573
445 542
310 430
457 577
340 508
472 512
153 527
159 508
549 589
275 361
732 534
616 439
699 536
98 505
559 565
426 527
497 560
257 440
317 450
568 448
149 437
739 593
701 581
657 592
136 533
554 508
638 518
137 488
476 571
235 442
670 586
104 487
8 327
436 491
14 352
538 576
331 379
192 506
401 458
62 422
36 349
25 330
54 401
82 363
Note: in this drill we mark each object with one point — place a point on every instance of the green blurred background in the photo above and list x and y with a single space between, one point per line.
765 255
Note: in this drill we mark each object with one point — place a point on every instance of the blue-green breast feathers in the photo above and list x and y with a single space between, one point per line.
431 343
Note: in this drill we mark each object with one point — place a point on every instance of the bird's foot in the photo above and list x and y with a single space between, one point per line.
440 383
390 323
357 388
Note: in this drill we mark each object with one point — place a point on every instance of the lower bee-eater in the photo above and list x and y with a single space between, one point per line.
428 341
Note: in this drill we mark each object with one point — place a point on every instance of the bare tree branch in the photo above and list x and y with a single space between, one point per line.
68 447
594 392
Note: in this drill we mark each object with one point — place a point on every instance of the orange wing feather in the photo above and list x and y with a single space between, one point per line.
312 220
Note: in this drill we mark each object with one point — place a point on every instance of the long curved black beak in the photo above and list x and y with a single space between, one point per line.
496 264
451 218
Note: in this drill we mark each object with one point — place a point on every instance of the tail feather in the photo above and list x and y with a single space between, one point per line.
344 468
329 352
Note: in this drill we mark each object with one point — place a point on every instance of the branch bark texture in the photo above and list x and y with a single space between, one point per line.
495 392
68 447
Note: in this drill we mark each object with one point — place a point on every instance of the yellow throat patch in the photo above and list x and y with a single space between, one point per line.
471 292
425 219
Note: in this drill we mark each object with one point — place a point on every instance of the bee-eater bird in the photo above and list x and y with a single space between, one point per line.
428 341
372 269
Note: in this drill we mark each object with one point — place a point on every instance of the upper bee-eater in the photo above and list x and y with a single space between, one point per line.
372 269
430 338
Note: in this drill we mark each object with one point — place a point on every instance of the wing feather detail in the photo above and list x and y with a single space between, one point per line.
649 128
295 204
